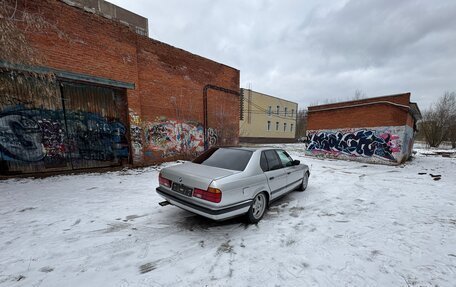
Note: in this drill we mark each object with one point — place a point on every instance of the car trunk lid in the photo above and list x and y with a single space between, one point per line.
195 175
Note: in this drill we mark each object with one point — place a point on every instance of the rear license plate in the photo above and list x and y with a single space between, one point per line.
182 189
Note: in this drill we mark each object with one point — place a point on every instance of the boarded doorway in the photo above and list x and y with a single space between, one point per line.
51 125
96 125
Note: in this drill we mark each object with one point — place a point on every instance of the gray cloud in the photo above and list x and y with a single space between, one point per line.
310 51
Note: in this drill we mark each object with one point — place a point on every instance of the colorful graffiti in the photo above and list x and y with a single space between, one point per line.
54 137
359 143
173 137
167 137
33 135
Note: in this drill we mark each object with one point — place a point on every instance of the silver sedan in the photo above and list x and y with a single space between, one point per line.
227 182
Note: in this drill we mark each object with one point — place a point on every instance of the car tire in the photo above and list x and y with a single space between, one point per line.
258 208
305 182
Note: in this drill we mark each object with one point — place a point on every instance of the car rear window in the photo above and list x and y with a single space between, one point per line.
227 158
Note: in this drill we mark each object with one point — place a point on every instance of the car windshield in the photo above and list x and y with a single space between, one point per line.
227 158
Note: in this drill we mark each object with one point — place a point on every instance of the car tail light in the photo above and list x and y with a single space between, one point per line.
164 181
211 194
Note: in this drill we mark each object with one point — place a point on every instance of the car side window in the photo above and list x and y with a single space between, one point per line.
272 160
264 162
285 158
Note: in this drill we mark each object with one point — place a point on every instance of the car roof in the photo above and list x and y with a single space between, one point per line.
252 149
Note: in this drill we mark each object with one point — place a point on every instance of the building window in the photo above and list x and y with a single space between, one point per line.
284 127
269 125
292 112
278 109
291 127
269 111
285 111
277 126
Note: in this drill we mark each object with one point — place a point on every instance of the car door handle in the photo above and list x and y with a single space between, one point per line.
271 178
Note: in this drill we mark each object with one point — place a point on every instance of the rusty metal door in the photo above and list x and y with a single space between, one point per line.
96 127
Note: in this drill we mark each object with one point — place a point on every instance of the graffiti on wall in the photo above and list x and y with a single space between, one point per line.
163 137
212 136
92 137
43 135
172 137
357 143
21 138
136 135
33 135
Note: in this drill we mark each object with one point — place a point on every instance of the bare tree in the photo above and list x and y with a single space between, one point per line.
17 19
17 22
438 122
301 123
432 128
452 118
359 94
14 46
452 133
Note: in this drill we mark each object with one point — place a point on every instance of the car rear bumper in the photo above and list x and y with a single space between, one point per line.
221 213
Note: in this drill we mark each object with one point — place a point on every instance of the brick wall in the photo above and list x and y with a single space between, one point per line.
403 99
171 83
166 106
354 114
410 121
82 42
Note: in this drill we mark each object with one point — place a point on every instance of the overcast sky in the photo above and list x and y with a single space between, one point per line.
311 51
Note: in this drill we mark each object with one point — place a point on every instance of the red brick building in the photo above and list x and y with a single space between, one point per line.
106 96
379 130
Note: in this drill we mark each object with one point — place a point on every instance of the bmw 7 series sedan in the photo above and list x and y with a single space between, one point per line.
226 182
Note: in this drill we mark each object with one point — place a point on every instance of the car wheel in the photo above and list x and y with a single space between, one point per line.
305 182
257 208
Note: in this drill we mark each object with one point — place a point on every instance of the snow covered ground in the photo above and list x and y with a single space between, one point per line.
444 149
356 225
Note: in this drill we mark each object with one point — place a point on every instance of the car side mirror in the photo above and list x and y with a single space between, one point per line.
296 162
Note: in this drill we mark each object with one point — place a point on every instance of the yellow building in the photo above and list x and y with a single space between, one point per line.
266 119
